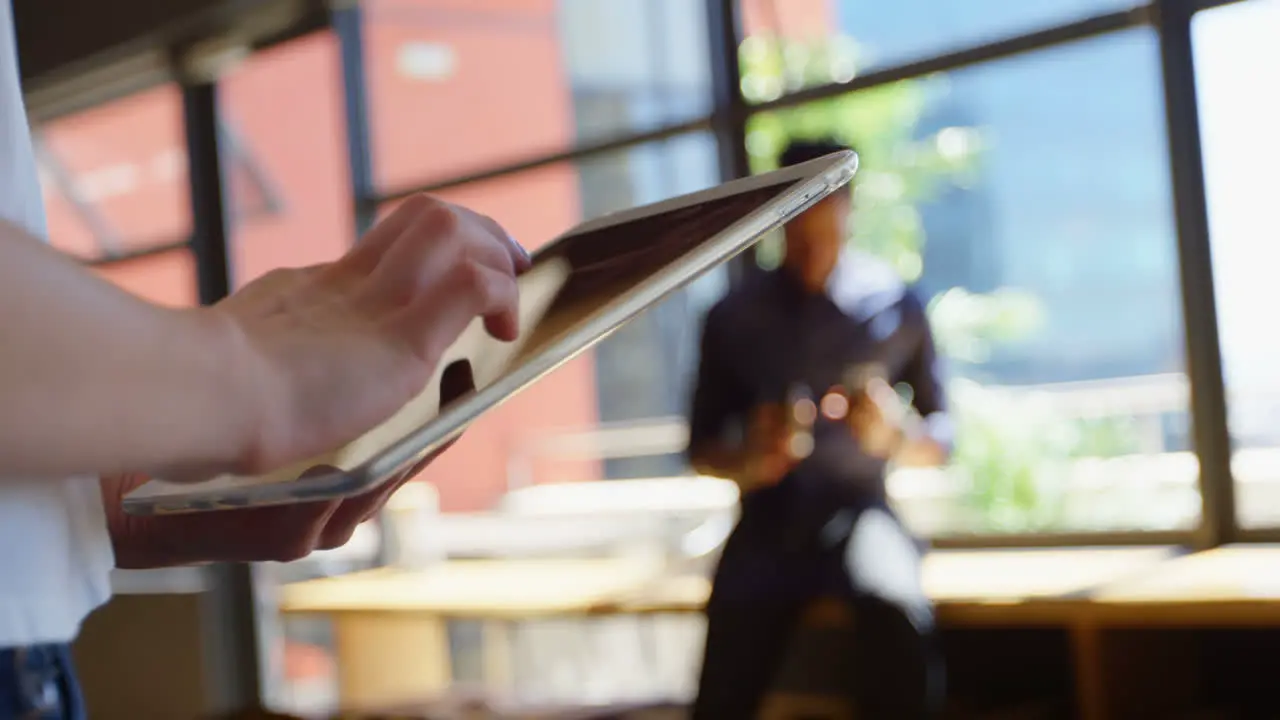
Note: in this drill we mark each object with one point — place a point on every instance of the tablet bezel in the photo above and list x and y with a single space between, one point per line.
811 182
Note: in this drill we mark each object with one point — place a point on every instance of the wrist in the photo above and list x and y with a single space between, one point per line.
226 364
763 471
882 440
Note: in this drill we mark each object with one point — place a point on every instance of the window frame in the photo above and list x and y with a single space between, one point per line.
727 121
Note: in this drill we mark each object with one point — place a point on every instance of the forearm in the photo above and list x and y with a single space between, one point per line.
94 380
921 452
926 442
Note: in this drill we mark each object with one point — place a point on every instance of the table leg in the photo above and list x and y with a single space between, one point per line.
500 656
387 659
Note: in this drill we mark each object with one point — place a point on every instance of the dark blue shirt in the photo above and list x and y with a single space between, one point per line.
769 335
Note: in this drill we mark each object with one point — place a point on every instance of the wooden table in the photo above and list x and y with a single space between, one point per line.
479 589
1136 638
390 624
1129 616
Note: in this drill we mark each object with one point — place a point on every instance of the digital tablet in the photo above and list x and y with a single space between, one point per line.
580 288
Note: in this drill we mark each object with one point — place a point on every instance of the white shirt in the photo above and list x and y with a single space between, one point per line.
55 553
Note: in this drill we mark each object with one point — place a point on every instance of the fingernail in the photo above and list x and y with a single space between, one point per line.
521 248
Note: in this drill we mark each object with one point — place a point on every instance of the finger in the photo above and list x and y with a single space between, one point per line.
520 258
766 417
305 526
434 321
364 257
287 533
404 479
431 250
456 381
880 391
354 511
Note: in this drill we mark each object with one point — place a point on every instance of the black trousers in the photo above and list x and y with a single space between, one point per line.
765 580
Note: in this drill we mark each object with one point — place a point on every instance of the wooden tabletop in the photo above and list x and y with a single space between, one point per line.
1236 585
1015 575
530 588
477 588
1234 572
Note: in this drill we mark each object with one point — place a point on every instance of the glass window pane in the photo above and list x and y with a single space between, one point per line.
115 176
829 41
288 182
456 87
1236 59
168 277
1029 201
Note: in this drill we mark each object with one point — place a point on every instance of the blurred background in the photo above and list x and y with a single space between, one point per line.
1080 188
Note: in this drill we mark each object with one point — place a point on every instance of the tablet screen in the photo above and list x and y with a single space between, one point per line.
608 262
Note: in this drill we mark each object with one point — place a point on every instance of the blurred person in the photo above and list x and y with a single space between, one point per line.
100 389
795 402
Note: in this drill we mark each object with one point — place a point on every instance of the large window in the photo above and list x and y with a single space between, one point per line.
458 87
1237 62
1028 201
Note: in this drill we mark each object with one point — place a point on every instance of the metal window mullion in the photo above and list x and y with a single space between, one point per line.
581 152
729 108
729 111
1207 4
348 24
969 56
230 631
1195 258
1089 538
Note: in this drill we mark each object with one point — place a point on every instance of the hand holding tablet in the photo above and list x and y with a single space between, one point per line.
579 288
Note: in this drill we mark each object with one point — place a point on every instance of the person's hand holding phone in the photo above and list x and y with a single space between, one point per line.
876 418
769 455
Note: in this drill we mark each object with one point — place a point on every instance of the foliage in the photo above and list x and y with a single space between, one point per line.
898 170
1016 452
967 326
1011 451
